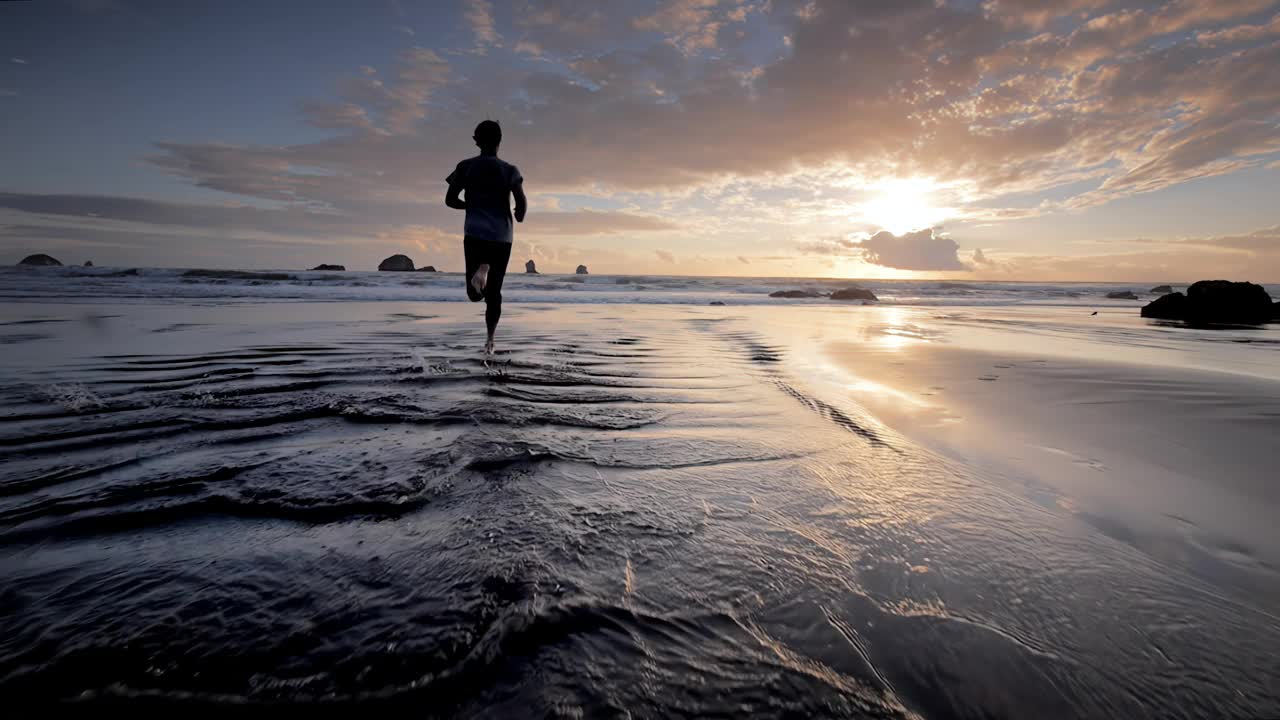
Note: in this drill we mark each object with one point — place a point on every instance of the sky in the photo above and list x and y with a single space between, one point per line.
984 139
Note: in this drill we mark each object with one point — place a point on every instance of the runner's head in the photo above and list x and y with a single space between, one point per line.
488 135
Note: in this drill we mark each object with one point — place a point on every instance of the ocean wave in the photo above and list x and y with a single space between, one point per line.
134 284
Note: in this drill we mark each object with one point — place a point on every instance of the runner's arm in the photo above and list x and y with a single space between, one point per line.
452 200
522 204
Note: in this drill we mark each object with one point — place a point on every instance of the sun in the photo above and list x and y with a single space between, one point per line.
901 205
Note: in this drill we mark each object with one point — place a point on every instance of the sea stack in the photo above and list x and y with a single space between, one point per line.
530 268
854 293
427 268
88 263
49 261
1161 290
397 263
793 294
1122 295
322 266
582 270
1215 302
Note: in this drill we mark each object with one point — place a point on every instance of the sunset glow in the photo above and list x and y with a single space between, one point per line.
1065 141
903 205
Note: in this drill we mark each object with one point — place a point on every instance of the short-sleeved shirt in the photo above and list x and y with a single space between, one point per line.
487 182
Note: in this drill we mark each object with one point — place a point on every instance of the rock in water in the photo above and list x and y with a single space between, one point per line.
796 294
1122 295
397 263
853 293
716 302
329 267
1172 306
582 270
39 259
1161 290
88 263
427 268
1215 301
529 267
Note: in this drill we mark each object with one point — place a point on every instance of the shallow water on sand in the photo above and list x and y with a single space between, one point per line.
630 513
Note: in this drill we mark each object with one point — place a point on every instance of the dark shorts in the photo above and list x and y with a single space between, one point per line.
480 252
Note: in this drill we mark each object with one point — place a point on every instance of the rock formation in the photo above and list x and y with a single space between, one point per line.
1122 295
39 259
582 270
88 263
1161 290
329 267
399 263
530 268
1215 301
796 294
853 293
427 268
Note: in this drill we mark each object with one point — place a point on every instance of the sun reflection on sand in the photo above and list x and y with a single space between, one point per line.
895 334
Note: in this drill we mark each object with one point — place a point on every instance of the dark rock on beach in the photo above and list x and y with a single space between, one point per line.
1215 302
398 263
582 270
40 259
1161 290
329 267
853 293
1122 295
530 268
796 294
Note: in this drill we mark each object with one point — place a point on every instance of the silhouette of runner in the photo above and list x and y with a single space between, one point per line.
489 184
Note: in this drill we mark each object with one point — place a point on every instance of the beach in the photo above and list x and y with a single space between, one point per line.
956 502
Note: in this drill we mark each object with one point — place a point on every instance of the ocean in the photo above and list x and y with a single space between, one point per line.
127 284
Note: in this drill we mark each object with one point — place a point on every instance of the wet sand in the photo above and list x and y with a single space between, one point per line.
653 511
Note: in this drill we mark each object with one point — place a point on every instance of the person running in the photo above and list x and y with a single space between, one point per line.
488 184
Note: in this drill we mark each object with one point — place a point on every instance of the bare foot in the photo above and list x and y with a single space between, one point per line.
488 347
480 279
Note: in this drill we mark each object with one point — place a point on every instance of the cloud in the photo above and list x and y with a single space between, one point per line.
920 250
1240 33
743 260
1251 256
940 90
665 256
479 15
980 258
594 222
663 108
688 24
18 61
